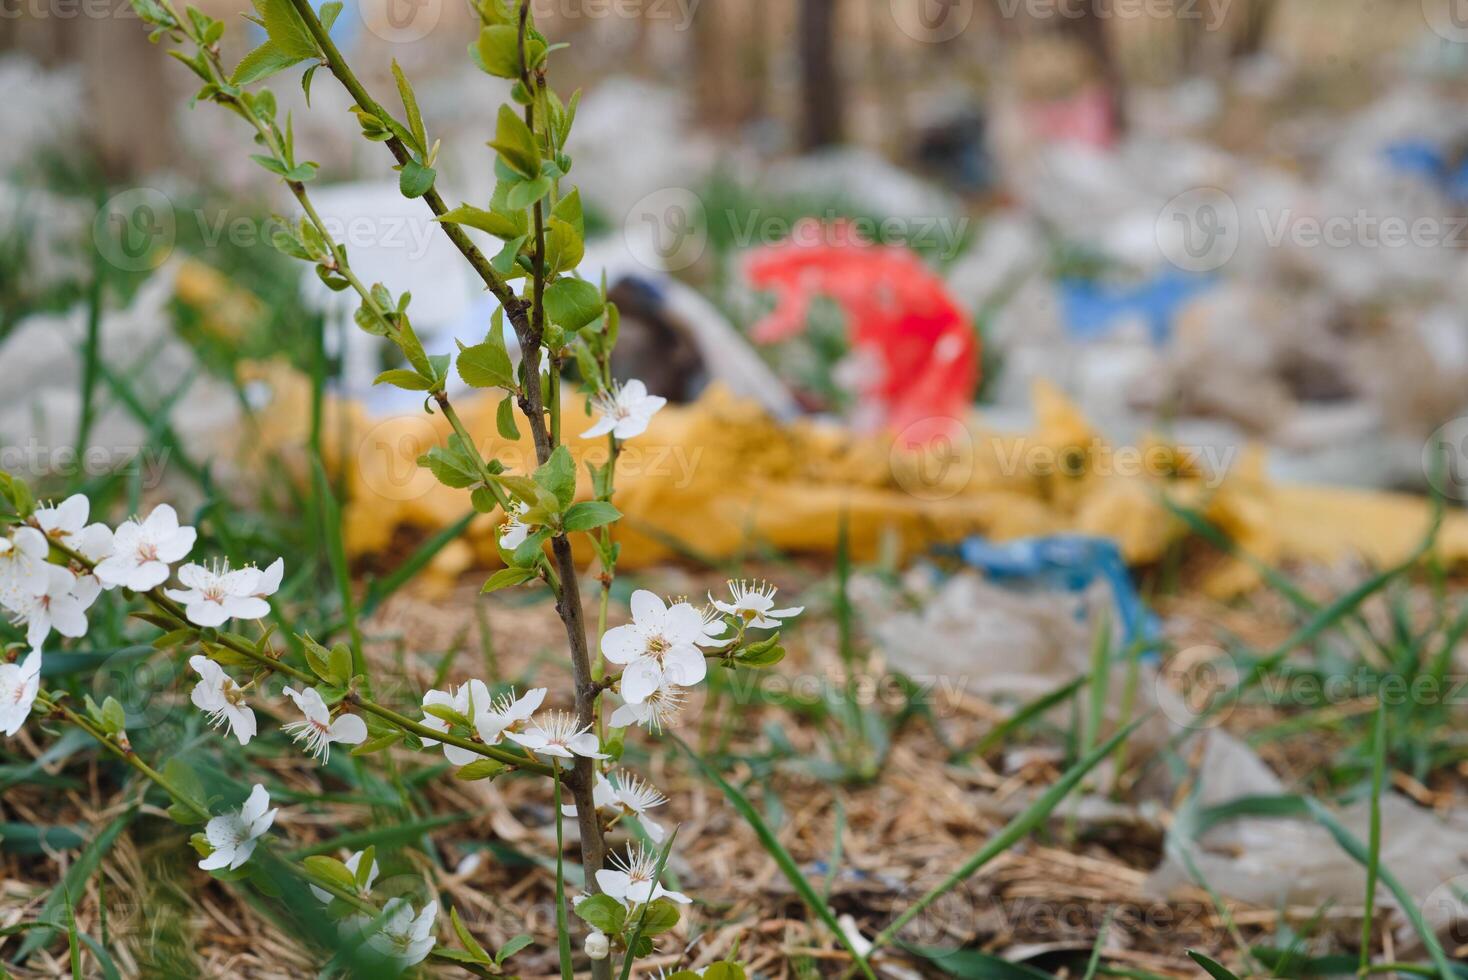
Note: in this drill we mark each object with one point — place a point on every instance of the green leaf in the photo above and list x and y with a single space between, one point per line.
498 49
405 379
451 465
589 514
572 303
564 247
603 913
467 940
504 418
331 871
486 365
289 42
499 225
410 104
507 578
568 209
379 743
557 475
662 916
340 660
516 144
415 180
480 769
512 946
525 193
266 60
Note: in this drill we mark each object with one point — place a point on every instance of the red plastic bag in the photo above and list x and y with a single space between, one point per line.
920 349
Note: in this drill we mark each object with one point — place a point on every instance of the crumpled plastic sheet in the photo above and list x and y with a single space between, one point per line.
719 478
998 643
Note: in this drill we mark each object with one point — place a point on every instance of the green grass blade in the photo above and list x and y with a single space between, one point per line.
74 880
1361 855
336 553
1212 967
777 851
1029 712
563 928
1012 832
1373 853
657 876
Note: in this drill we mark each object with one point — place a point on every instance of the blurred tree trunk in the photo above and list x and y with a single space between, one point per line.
822 102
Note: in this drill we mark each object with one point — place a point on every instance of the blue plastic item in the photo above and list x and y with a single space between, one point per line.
1422 158
1067 562
1094 309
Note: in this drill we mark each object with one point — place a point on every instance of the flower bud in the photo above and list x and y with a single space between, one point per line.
598 946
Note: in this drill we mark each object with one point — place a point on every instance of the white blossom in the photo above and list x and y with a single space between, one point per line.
514 532
142 552
506 714
353 863
66 524
625 411
318 729
598 946
216 593
468 700
219 697
402 936
556 733
628 794
660 646
57 607
233 835
656 712
631 880
22 565
270 580
19 685
753 603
